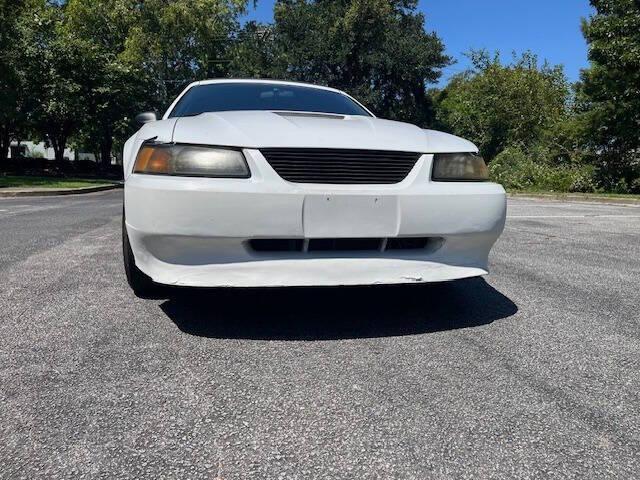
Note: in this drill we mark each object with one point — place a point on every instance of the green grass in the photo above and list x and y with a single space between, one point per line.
47 182
621 196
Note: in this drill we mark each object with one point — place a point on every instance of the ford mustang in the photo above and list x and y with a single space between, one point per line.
258 183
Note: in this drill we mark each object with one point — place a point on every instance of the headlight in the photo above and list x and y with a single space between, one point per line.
191 161
459 167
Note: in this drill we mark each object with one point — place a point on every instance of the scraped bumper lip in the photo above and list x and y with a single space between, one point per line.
229 262
197 231
311 270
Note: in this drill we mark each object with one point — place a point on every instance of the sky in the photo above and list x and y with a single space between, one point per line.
549 28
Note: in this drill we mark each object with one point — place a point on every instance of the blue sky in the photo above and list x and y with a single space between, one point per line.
550 28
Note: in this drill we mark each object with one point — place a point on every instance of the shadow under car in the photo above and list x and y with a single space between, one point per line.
329 313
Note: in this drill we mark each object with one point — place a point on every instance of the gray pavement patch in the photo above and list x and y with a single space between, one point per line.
531 373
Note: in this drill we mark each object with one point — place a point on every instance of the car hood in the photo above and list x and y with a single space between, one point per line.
262 129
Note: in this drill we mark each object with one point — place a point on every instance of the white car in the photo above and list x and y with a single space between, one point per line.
260 183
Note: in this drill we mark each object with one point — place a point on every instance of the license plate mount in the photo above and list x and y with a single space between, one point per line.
350 216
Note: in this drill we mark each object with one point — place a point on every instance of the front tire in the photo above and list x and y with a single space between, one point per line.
140 283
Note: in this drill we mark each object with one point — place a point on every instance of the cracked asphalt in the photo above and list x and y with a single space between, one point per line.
533 372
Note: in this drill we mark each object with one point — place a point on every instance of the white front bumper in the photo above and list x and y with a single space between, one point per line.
195 231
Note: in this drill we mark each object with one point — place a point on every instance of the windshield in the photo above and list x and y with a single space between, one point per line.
220 97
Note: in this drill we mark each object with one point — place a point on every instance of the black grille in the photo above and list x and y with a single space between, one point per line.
344 244
340 166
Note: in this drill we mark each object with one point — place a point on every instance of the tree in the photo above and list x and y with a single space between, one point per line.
116 89
179 41
498 105
59 70
147 52
13 98
252 53
611 87
376 50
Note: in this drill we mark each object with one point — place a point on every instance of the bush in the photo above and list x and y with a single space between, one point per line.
42 167
516 170
619 172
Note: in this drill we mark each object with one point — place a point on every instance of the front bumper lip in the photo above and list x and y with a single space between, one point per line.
300 270
194 231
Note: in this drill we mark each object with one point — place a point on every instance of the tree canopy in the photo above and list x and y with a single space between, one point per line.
13 87
175 42
59 72
498 105
611 88
376 50
77 72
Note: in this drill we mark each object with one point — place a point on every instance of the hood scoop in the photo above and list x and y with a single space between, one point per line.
333 116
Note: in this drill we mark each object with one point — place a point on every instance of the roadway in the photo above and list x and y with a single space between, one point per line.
532 372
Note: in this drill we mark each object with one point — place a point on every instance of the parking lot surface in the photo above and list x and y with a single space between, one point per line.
533 372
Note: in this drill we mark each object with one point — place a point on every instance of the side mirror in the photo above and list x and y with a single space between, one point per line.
146 117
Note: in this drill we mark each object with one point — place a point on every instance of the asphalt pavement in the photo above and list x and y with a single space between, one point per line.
532 372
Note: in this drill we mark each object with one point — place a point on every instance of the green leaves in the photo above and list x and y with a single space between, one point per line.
89 66
180 41
376 50
516 169
498 105
612 88
82 69
57 72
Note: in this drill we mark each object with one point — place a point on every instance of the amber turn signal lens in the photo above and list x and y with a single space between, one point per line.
153 159
191 161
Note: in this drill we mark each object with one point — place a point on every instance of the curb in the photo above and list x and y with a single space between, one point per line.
580 198
55 192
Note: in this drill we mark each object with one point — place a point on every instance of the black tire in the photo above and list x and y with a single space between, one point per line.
140 283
